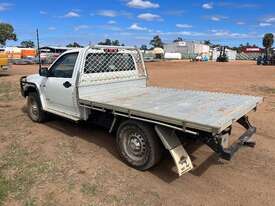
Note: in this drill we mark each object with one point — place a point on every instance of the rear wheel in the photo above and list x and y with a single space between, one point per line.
35 111
138 145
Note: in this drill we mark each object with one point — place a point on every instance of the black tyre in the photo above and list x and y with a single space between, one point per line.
138 145
35 111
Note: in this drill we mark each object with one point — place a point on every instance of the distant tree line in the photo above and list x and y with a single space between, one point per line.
27 44
109 42
7 33
74 45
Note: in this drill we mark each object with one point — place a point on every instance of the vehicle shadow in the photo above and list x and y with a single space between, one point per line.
165 170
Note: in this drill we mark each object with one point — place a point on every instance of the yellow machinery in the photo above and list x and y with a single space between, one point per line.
4 63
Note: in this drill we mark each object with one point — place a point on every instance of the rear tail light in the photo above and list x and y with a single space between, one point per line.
111 50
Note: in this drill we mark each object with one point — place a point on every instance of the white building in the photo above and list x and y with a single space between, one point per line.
187 47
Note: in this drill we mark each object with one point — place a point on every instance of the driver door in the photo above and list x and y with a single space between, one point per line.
59 88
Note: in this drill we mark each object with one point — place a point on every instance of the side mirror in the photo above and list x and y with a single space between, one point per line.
44 72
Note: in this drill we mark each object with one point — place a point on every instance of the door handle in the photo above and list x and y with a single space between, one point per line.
67 84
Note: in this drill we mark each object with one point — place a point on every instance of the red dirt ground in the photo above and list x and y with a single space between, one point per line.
62 163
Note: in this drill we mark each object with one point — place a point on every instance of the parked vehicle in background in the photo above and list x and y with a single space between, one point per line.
108 86
25 61
266 60
223 57
4 64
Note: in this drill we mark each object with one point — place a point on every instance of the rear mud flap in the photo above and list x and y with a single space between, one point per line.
172 143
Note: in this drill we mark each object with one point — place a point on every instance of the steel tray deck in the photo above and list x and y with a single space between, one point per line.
207 111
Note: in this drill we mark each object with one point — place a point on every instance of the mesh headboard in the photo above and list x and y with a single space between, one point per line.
111 64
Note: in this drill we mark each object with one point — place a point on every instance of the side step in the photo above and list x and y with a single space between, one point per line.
173 144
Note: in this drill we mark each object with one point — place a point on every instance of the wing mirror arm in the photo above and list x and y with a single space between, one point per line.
44 72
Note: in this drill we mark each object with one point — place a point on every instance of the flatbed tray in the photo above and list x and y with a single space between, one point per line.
206 111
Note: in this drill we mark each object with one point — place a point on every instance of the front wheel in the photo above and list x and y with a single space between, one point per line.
138 145
35 111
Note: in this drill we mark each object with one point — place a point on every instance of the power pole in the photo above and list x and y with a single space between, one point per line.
38 49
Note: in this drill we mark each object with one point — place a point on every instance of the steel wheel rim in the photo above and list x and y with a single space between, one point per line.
135 146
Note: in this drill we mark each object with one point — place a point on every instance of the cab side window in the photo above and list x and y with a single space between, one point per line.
64 66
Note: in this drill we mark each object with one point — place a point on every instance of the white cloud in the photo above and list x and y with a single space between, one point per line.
240 23
111 13
5 6
112 22
150 17
183 26
270 20
142 4
264 24
80 27
215 18
182 33
51 28
207 5
232 35
107 13
43 12
136 27
71 14
237 5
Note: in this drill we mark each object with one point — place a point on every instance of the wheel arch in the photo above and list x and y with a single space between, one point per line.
32 87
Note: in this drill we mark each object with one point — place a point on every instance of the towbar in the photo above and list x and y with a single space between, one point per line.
216 142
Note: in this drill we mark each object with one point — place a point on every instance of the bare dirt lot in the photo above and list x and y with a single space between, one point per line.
62 163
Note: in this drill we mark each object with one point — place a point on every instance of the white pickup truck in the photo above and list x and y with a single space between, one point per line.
108 86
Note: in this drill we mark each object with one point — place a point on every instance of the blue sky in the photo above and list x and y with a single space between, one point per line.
135 22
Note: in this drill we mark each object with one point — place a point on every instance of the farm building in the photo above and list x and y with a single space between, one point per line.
187 48
54 49
252 50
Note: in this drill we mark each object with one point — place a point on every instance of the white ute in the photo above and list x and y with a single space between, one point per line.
108 87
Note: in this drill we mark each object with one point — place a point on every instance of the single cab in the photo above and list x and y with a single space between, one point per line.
108 86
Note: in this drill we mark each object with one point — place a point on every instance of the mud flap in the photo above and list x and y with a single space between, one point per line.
173 144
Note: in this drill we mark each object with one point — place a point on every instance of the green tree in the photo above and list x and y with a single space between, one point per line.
27 44
143 47
156 42
106 42
268 41
75 44
115 43
6 33
109 42
179 39
208 42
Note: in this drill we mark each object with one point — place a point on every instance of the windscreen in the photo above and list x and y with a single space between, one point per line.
108 62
